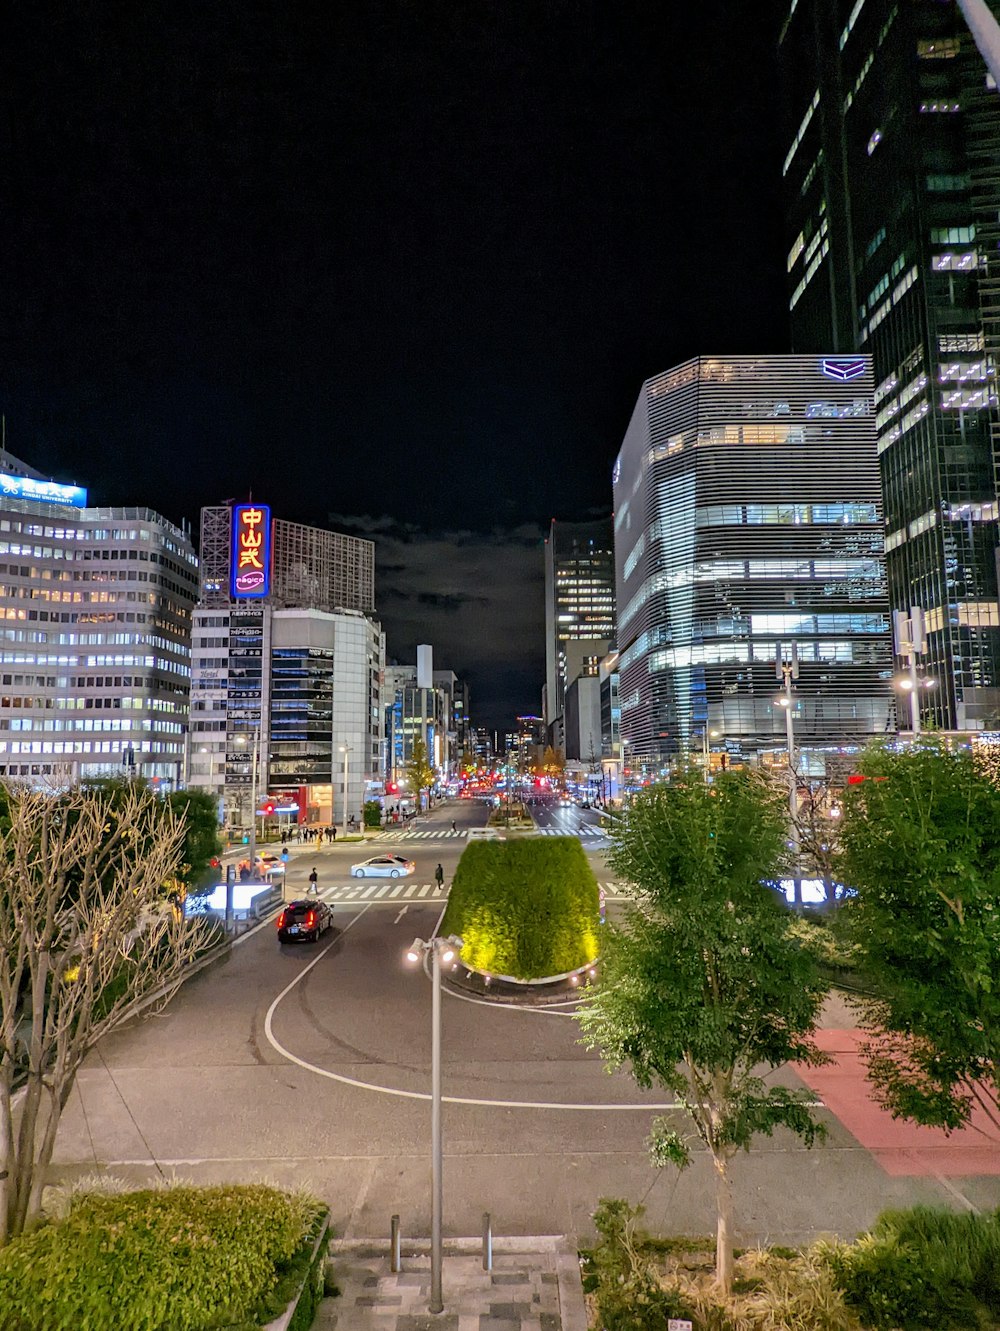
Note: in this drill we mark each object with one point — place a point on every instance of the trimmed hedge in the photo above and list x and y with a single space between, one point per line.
525 908
183 1259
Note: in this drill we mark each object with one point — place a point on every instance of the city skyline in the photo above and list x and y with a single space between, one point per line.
407 267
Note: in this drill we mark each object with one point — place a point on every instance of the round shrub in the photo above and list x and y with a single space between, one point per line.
525 908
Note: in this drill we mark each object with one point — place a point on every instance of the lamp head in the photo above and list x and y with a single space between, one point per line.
415 950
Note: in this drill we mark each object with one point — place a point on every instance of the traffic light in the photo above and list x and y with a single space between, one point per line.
246 840
268 809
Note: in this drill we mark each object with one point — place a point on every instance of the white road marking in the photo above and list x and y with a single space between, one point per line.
424 1095
425 889
396 891
401 914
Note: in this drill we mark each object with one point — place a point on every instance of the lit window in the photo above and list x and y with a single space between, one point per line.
938 48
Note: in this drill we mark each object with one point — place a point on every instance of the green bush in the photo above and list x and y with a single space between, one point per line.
372 813
923 1268
525 908
183 1259
623 1278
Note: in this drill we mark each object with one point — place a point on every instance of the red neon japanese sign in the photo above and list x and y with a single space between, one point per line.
250 574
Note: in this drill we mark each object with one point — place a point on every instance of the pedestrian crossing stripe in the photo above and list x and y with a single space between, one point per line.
386 838
371 893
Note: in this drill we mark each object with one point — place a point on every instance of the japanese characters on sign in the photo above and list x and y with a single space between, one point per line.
250 574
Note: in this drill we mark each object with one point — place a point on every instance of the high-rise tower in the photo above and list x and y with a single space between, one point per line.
892 179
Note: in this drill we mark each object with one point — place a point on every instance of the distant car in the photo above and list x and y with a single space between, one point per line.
383 866
304 921
270 864
484 834
565 800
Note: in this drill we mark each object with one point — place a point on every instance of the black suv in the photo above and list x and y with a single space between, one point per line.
304 921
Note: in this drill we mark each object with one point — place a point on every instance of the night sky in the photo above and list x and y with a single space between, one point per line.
400 268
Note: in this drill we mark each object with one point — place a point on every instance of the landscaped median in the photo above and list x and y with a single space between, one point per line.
181 1258
526 909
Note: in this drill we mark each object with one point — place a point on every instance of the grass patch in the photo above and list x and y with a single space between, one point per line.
525 908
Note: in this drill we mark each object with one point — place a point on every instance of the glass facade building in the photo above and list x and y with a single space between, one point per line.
748 518
892 200
95 641
579 609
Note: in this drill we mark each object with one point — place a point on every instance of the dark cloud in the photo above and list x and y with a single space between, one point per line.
476 598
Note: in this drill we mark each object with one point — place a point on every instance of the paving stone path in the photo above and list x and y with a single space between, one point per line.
525 1291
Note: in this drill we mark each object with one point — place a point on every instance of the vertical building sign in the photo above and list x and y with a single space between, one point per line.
250 571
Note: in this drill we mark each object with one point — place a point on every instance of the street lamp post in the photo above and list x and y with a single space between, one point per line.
345 749
787 672
254 762
708 735
441 950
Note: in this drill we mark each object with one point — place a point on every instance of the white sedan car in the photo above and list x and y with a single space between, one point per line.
383 866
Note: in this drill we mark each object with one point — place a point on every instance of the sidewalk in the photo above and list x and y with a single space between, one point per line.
534 1286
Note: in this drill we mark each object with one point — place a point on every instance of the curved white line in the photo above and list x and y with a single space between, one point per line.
279 1048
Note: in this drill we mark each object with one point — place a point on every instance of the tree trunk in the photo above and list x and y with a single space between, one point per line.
724 1230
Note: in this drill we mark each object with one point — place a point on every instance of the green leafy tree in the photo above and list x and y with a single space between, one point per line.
921 848
418 769
199 813
703 983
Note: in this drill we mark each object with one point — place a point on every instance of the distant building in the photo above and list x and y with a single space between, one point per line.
748 519
294 674
421 702
582 720
579 610
95 649
892 200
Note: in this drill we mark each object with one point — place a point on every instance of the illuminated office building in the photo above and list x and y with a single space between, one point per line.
748 518
95 640
289 678
892 201
579 611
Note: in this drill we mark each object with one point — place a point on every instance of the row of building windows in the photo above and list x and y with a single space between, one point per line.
724 515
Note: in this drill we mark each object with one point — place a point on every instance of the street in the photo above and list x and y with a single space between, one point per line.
309 1065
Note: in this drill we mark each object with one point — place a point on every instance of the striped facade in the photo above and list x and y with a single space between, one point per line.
747 516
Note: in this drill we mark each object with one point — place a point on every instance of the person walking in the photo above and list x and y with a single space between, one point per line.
439 876
453 827
313 881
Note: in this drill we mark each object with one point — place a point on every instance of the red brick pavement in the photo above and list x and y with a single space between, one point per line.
901 1148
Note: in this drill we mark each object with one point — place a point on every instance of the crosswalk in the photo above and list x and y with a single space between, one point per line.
446 834
393 893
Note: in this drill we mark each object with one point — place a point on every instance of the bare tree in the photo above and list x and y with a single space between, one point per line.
84 937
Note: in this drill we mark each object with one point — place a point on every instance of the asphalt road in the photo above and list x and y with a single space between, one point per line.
309 1065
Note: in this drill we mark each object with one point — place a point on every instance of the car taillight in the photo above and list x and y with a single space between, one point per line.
310 919
281 920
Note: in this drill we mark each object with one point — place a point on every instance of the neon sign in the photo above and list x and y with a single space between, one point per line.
25 487
250 573
843 370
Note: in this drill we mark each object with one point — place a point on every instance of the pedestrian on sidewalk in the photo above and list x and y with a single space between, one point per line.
439 876
313 882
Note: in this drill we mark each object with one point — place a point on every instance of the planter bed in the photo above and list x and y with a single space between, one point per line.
175 1259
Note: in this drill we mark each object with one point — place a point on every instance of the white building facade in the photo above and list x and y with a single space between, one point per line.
95 642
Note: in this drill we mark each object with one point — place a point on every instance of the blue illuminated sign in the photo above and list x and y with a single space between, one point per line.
843 370
48 492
